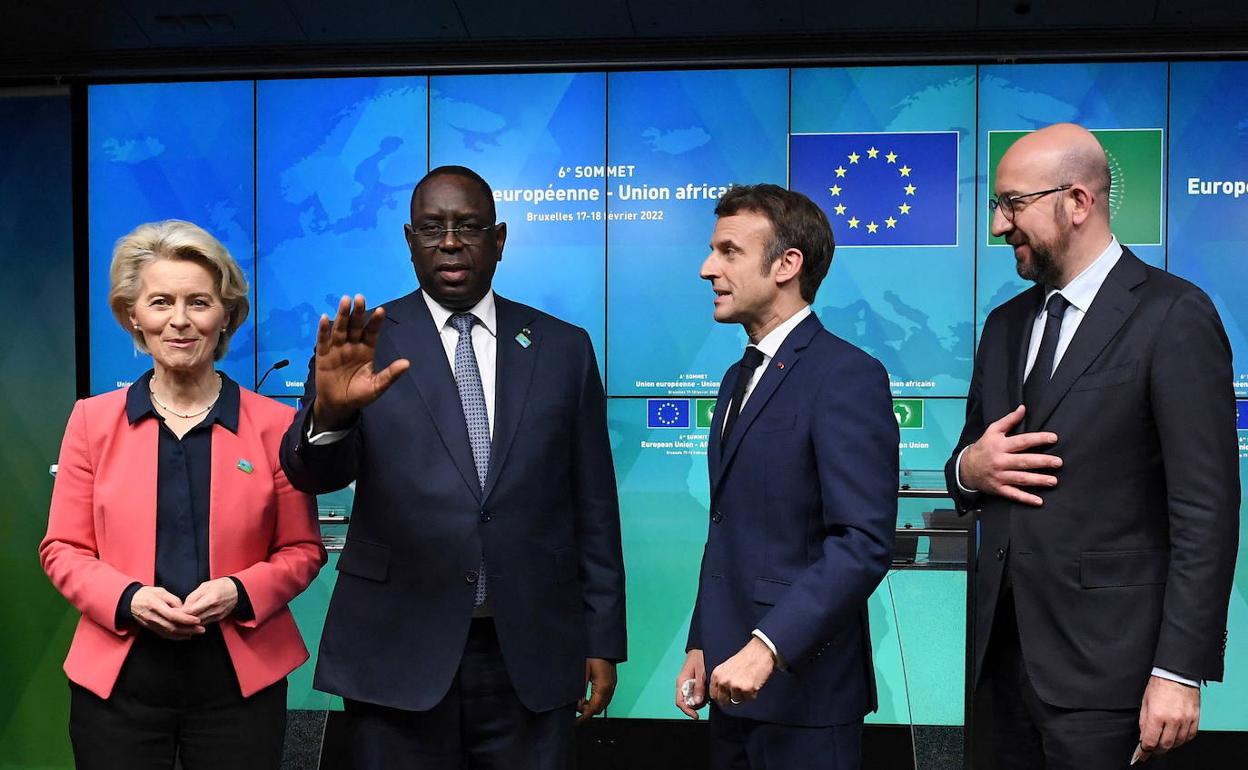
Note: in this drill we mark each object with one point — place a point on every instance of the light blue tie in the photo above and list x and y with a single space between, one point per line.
472 398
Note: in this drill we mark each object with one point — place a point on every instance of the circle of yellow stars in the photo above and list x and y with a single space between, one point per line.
873 153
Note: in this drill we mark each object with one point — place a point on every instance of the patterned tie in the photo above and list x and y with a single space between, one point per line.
472 398
1042 370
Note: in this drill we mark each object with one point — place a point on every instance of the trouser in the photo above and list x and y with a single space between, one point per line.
178 698
480 724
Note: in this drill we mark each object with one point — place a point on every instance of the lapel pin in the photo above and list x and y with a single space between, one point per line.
245 466
779 364
523 338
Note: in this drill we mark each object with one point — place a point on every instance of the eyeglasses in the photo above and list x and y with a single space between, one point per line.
1008 204
430 235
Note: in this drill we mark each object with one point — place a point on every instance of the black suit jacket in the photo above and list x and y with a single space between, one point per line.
547 521
1128 564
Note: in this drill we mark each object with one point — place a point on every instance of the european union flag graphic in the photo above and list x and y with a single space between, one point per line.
1241 414
667 413
881 189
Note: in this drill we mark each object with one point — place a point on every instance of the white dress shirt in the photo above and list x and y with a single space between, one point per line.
484 342
1079 293
769 346
484 345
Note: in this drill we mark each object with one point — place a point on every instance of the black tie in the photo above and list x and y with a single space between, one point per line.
745 372
1042 370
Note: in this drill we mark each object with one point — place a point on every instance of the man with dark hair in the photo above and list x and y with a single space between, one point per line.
482 583
797 222
803 476
1100 451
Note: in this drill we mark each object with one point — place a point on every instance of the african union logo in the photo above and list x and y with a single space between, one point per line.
1135 169
909 412
881 189
667 413
705 408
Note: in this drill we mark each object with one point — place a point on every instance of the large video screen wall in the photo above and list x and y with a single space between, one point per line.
608 182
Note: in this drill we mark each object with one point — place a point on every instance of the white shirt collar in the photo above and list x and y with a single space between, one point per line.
770 344
1083 288
484 310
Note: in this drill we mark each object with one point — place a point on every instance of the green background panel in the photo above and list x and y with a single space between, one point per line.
931 627
36 394
663 520
1222 704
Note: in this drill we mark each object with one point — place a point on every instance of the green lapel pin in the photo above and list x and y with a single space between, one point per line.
245 466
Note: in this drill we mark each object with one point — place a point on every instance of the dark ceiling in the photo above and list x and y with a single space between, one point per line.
52 40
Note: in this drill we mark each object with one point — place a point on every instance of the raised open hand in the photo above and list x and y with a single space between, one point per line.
345 380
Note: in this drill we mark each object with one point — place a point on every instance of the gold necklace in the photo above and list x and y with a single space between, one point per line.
161 404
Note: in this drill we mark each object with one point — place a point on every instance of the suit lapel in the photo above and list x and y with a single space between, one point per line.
512 378
778 368
416 339
1018 339
1113 305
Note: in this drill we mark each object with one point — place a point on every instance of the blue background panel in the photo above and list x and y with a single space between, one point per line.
336 163
909 306
1208 237
681 134
528 135
167 151
1027 97
1208 241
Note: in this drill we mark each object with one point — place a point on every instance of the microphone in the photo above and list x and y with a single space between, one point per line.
278 365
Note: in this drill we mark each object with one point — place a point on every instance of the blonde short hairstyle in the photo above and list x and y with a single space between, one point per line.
175 239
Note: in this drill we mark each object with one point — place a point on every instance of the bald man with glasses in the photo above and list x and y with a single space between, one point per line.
1100 451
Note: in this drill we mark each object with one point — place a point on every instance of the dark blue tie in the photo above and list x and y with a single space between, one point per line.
1042 370
745 372
472 398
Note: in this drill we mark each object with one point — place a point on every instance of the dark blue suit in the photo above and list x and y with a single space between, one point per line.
803 509
548 519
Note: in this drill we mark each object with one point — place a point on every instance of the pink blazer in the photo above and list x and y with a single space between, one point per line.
102 535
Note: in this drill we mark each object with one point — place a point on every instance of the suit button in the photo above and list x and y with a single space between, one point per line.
717 517
1000 554
485 516
470 576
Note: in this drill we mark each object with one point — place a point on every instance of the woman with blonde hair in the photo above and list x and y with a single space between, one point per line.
175 533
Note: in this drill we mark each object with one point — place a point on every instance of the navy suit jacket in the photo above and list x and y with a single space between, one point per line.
802 517
547 521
